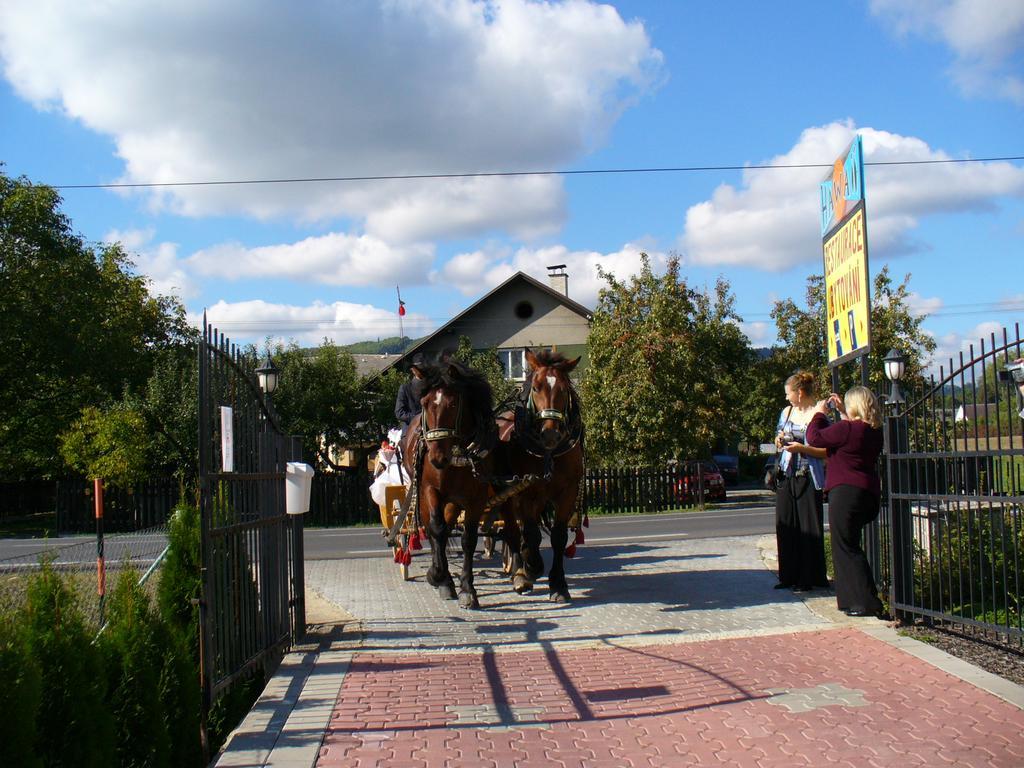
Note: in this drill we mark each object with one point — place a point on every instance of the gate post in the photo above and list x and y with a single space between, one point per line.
901 566
270 546
298 557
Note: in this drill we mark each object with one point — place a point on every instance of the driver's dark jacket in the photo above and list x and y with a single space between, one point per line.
407 404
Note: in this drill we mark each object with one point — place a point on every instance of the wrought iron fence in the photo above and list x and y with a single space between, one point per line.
252 602
956 492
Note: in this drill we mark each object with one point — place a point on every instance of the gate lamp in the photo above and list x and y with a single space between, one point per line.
269 375
895 365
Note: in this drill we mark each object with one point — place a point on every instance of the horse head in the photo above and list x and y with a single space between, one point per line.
551 395
456 405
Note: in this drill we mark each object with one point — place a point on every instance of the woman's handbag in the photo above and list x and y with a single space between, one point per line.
773 477
775 474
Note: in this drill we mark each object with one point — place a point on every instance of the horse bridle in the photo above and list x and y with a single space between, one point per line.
441 433
568 421
546 414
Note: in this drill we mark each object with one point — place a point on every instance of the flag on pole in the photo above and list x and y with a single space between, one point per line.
401 304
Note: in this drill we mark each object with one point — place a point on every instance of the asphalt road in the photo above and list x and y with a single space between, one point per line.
747 512
750 513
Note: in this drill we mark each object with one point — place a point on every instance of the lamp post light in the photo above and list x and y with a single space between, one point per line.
901 564
895 366
269 375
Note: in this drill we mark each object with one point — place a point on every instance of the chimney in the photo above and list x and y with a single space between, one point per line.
558 279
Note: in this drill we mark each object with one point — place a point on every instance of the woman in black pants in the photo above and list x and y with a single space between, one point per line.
799 523
854 491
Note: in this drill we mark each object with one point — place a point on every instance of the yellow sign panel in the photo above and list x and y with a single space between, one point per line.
847 297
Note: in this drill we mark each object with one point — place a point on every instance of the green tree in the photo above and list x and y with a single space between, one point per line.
111 444
665 376
20 695
134 645
74 727
319 396
801 331
76 326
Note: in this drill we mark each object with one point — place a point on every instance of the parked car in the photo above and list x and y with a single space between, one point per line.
695 474
729 466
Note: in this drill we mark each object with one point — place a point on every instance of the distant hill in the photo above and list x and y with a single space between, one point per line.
393 345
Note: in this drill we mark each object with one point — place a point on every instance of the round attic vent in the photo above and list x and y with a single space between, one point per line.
524 310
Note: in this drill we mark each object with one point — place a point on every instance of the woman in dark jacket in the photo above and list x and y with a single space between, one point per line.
854 490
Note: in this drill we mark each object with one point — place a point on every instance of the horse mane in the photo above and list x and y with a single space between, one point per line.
468 382
549 358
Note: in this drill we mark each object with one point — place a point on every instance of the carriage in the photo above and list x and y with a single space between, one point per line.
503 491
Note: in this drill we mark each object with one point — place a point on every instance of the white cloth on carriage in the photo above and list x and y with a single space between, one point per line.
390 475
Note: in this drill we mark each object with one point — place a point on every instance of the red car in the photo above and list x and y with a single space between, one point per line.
693 475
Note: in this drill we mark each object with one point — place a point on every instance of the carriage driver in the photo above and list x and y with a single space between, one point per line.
407 404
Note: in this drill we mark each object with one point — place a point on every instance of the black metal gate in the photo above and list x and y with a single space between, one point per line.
955 494
252 604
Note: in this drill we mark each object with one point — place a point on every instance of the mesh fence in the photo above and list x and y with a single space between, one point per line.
77 563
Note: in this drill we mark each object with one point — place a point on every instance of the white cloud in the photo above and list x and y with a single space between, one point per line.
334 259
158 262
341 322
950 346
761 334
922 305
771 220
195 90
478 271
986 37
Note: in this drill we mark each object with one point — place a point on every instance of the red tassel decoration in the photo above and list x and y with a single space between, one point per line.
579 536
414 542
586 520
570 551
423 533
406 557
398 554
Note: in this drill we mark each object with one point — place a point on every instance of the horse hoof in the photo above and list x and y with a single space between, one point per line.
446 591
522 586
560 597
468 600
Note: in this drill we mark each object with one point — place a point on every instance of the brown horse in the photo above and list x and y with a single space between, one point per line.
547 442
445 450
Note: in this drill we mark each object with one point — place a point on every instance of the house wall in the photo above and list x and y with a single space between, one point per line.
494 323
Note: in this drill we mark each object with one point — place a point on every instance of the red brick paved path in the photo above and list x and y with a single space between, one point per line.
834 697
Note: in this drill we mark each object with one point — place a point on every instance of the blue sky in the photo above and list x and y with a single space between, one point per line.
193 91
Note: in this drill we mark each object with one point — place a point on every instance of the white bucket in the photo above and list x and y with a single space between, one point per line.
298 486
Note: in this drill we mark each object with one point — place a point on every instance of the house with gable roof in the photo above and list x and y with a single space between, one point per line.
520 313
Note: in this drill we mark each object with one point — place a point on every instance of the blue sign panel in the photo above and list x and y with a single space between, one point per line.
843 188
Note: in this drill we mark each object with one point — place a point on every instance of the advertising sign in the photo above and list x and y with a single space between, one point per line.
843 188
847 296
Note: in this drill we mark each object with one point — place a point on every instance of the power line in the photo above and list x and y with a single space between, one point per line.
951 310
509 174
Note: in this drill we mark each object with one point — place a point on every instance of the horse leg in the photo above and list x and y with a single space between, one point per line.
467 592
558 589
438 574
532 560
512 534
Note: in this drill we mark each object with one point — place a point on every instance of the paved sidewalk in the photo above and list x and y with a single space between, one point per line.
671 654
